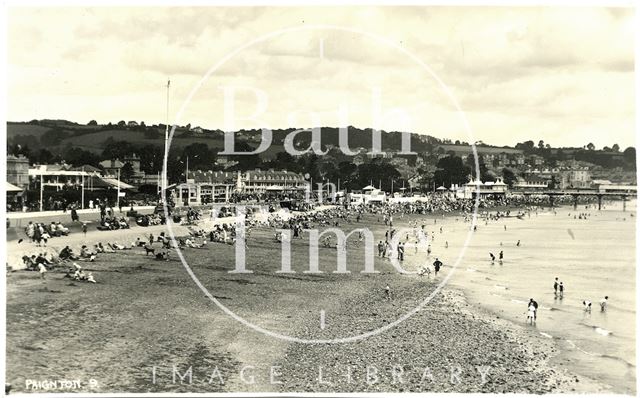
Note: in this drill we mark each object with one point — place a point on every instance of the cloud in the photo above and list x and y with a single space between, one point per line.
536 72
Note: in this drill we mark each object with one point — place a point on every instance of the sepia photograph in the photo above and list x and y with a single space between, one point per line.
310 199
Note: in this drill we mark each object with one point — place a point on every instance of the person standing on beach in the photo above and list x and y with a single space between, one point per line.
587 305
74 215
42 270
501 256
387 292
436 266
84 229
561 289
493 258
555 287
534 304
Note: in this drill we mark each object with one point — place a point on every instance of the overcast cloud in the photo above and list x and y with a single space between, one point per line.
563 75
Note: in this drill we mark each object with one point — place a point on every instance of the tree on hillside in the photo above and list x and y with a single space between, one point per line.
484 171
629 155
122 123
53 137
92 123
377 173
19 149
117 149
591 147
78 157
200 157
44 156
509 177
245 162
126 172
151 133
451 170
615 148
527 147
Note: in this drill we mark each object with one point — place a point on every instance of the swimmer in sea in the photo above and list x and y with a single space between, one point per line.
493 258
555 287
587 306
603 304
518 244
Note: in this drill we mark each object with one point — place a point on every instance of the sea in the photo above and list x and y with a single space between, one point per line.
594 257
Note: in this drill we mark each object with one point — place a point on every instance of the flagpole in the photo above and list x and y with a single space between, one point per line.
166 145
82 207
118 198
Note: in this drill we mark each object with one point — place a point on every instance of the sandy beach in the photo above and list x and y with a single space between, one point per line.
144 317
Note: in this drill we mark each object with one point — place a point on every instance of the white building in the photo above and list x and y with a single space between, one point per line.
486 189
368 194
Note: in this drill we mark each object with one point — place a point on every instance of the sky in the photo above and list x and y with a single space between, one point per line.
501 75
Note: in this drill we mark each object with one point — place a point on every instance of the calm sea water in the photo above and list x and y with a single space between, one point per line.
594 257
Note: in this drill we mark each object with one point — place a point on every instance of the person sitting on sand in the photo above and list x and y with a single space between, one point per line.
387 292
78 275
61 229
425 270
85 253
41 259
90 278
163 255
67 254
28 263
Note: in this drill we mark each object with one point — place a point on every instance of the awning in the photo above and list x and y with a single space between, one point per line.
441 188
12 188
113 183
